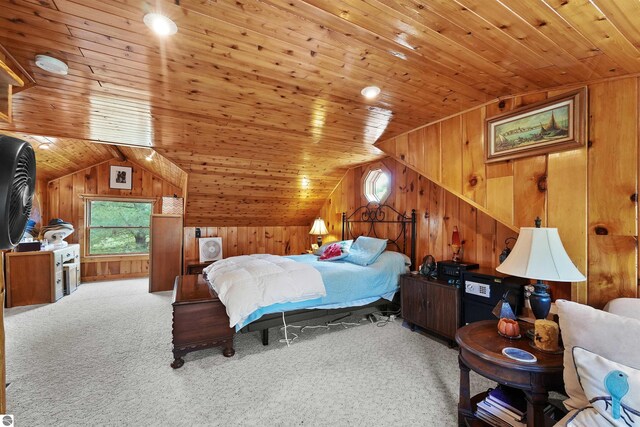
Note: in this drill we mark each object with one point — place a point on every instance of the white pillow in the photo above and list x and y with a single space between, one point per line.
613 391
613 337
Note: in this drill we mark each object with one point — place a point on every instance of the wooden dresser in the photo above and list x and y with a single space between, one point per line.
38 277
431 304
165 255
199 319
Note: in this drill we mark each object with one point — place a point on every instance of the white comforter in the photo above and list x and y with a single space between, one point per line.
248 282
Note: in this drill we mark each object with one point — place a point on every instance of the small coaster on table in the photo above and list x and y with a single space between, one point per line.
519 355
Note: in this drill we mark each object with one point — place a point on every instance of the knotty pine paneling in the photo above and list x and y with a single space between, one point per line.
438 211
252 97
612 191
39 207
276 240
64 200
589 193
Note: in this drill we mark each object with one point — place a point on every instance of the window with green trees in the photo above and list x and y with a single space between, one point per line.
118 227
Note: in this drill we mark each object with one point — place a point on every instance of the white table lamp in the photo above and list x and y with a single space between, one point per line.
539 254
319 229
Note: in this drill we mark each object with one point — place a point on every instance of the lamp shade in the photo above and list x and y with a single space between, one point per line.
319 228
539 254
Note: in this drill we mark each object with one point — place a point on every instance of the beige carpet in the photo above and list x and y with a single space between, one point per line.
101 357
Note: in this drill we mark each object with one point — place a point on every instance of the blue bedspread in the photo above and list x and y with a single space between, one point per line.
347 285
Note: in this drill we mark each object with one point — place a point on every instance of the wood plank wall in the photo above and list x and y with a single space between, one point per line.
39 208
438 211
589 193
64 201
284 240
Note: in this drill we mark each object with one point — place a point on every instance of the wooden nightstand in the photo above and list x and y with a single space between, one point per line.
199 319
431 304
481 351
197 267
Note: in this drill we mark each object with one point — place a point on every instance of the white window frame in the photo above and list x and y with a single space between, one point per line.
372 174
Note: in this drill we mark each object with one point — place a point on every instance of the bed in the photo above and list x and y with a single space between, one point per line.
348 286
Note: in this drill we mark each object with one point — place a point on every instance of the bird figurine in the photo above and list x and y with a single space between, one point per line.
617 386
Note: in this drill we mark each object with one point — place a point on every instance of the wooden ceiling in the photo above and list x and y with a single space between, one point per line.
259 100
64 156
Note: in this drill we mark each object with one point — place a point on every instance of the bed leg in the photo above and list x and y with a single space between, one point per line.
265 337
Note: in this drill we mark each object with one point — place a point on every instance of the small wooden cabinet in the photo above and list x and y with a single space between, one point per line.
165 256
431 304
38 277
199 319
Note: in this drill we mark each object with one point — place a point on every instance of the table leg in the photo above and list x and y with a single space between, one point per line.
536 402
178 361
228 349
464 404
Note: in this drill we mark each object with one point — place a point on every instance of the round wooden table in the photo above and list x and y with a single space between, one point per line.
481 351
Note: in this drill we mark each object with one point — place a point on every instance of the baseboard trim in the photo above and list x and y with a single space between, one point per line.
114 277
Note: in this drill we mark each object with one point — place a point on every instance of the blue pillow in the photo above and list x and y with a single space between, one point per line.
366 250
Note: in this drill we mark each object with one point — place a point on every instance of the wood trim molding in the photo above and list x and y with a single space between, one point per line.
118 198
114 258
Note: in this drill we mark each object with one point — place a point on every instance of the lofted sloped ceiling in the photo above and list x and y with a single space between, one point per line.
259 100
64 156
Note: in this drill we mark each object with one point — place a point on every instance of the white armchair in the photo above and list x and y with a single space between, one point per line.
627 307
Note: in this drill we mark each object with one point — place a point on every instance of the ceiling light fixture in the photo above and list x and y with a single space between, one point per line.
160 24
370 92
45 142
150 156
52 65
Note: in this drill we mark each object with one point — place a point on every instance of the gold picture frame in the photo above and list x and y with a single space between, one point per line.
554 124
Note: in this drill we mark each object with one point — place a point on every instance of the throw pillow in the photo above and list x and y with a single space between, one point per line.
613 391
366 250
344 246
613 337
333 253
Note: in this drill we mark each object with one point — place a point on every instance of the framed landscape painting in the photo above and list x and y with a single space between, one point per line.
551 125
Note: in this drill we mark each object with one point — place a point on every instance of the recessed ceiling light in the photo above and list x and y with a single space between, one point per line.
52 65
370 92
160 24
44 146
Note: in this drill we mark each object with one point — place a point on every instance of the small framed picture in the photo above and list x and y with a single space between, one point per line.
121 177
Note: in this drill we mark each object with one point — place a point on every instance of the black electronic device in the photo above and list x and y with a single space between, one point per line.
452 271
483 288
17 184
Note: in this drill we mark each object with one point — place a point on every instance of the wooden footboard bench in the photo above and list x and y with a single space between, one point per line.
199 319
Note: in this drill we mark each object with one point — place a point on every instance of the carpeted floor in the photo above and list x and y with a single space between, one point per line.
101 357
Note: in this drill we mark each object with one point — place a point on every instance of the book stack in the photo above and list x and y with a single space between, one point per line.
503 407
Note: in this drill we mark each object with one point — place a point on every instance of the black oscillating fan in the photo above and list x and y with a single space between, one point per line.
17 184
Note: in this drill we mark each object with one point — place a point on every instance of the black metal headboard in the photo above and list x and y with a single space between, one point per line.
373 214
